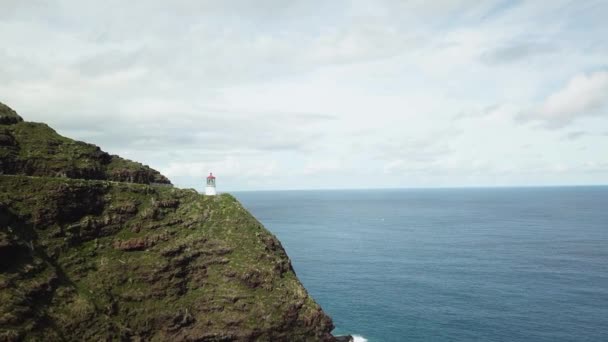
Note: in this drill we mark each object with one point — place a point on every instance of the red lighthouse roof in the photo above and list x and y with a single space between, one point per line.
211 176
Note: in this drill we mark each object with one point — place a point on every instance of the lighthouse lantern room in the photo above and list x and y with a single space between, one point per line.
210 188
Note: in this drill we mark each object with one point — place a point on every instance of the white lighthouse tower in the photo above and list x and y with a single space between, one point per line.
210 188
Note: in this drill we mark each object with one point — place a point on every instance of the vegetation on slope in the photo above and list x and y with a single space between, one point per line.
35 149
102 260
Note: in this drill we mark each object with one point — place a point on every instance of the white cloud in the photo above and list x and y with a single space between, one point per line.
317 167
584 95
227 167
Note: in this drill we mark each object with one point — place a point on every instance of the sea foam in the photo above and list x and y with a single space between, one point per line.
359 338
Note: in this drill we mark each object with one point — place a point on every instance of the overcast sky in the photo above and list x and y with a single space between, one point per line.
329 94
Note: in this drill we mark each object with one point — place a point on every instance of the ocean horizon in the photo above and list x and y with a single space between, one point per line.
464 187
449 264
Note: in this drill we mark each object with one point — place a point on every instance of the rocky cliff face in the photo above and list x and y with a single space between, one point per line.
83 258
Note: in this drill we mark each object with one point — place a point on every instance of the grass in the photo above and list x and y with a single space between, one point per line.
92 249
215 262
35 149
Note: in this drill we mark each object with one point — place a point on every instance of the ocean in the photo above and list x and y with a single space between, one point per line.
477 264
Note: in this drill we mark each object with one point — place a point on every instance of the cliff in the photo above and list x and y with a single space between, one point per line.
92 249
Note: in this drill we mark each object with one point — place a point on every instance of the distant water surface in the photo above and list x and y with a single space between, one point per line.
492 264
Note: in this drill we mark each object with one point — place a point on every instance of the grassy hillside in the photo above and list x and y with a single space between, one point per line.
35 149
84 259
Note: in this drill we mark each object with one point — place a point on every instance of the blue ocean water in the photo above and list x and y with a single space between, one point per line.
491 264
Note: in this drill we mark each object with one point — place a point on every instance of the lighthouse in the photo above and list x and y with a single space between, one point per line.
210 188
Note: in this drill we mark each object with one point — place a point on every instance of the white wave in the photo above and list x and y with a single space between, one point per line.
359 338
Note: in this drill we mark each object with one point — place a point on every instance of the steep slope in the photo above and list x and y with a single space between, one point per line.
101 260
35 149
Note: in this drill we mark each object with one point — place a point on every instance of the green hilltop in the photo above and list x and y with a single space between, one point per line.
35 149
93 248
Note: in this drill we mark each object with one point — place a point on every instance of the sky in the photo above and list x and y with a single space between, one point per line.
273 94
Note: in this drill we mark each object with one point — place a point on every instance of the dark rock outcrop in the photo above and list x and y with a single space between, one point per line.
8 116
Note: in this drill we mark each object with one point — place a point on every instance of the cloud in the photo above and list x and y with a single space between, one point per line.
316 167
441 166
504 111
516 51
228 166
575 135
584 95
427 154
212 133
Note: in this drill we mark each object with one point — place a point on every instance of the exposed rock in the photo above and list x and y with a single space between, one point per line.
8 116
126 208
7 139
170 203
135 244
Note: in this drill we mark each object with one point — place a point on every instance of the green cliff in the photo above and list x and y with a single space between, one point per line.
35 149
91 248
